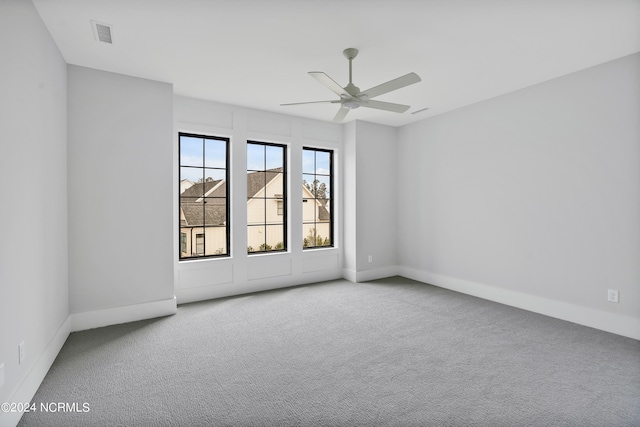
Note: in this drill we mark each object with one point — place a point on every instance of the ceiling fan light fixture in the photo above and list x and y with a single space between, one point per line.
351 105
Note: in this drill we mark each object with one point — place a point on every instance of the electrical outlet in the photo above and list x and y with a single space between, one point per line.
613 295
370 258
21 354
1 374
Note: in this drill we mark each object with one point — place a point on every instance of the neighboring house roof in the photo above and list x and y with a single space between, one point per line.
184 184
323 212
198 210
256 181
199 213
200 189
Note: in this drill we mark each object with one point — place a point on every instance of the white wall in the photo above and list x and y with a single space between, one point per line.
120 172
349 179
532 198
212 278
371 186
33 193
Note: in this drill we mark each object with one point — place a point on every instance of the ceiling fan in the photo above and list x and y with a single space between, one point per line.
351 97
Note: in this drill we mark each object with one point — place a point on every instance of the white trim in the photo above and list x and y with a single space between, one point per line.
32 380
377 273
203 293
349 274
125 314
367 275
609 322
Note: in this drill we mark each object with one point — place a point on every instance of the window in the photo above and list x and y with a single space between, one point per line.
317 198
204 203
266 197
183 242
200 244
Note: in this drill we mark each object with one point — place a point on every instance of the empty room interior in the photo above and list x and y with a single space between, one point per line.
209 220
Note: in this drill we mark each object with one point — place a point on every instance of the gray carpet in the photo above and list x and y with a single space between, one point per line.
390 352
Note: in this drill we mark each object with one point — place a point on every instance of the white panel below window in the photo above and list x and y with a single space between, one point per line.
264 266
320 263
194 277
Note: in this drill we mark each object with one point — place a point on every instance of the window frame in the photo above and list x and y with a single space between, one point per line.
331 176
228 222
282 198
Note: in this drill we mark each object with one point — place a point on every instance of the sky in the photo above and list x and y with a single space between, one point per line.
315 164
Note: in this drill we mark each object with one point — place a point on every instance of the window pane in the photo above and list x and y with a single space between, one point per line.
323 162
318 186
191 211
322 187
214 175
309 235
272 207
192 174
274 157
256 182
215 153
198 189
190 151
215 240
308 210
255 157
193 238
255 237
275 184
275 237
308 161
255 211
215 211
307 181
323 234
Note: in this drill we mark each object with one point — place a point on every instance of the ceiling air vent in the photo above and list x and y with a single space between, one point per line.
102 32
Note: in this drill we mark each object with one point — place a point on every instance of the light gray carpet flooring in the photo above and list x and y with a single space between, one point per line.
390 352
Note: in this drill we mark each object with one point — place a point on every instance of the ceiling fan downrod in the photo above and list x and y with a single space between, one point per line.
350 54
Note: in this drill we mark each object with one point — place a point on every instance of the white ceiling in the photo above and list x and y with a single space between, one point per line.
256 53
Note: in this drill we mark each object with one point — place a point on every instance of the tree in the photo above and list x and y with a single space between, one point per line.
313 240
318 189
207 179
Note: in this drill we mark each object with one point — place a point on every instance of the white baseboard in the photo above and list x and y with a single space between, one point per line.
117 315
31 382
598 319
349 274
377 273
367 275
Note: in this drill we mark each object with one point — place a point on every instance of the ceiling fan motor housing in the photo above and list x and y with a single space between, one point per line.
352 89
350 53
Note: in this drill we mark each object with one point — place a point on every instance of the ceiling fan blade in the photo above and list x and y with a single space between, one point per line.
387 106
312 102
329 83
342 113
391 85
